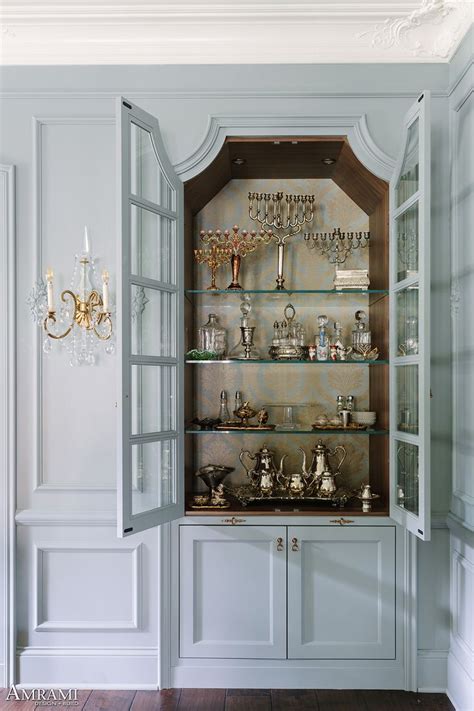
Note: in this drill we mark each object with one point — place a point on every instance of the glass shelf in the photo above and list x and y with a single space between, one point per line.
287 362
289 432
287 292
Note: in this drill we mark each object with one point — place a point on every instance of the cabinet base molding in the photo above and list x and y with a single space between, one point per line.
253 676
87 668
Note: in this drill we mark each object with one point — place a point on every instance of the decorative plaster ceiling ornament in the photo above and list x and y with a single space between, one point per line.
410 32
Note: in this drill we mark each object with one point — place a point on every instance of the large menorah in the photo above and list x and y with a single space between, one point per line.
282 216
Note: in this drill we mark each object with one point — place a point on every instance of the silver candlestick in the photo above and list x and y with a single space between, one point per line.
282 216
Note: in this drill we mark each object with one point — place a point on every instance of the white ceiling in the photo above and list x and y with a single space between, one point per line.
230 31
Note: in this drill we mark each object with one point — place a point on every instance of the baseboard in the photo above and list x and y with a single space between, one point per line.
432 665
268 677
460 686
87 668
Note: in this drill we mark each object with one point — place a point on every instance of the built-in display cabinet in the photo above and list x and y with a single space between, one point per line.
296 591
164 299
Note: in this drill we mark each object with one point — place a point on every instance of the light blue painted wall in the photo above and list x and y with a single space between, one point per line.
183 98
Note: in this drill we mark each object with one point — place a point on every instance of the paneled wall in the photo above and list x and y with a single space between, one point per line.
461 520
58 129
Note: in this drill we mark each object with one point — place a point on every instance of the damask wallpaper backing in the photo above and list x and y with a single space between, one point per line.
314 386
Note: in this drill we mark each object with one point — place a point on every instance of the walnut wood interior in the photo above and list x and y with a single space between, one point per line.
297 157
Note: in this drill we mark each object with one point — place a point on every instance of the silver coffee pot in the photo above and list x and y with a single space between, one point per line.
320 461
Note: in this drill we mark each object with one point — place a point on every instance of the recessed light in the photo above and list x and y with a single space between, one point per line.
294 143
276 143
239 161
328 161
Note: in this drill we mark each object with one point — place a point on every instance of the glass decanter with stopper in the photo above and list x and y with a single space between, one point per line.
361 336
213 337
245 348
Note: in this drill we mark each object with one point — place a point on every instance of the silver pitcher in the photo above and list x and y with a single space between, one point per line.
320 460
299 483
264 475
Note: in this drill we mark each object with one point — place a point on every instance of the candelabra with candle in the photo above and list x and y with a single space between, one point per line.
239 244
84 318
284 215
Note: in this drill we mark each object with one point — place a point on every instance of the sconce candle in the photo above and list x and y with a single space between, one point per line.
49 287
105 291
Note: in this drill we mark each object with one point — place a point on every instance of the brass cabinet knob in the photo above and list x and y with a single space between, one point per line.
294 545
280 545
233 521
342 521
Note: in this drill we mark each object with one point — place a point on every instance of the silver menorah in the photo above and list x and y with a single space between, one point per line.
336 246
282 216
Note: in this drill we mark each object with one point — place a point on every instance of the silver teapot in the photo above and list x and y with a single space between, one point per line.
264 474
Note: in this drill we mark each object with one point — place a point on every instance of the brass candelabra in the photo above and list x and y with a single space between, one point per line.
214 257
239 243
284 216
336 246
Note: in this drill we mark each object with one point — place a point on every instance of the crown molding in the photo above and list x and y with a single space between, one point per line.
227 32
24 12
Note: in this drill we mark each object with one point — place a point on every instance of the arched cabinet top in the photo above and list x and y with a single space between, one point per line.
351 127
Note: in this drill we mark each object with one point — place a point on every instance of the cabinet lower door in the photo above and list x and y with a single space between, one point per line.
341 592
233 592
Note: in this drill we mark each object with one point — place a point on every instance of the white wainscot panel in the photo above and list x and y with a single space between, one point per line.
341 593
86 588
76 413
233 592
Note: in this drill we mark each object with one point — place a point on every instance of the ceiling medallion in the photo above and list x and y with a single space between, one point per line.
409 32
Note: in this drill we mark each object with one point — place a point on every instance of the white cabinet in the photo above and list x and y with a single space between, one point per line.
341 592
233 592
296 592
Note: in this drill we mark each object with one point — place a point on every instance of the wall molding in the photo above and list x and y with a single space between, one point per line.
213 94
8 421
101 667
353 126
410 612
39 483
51 518
41 624
432 670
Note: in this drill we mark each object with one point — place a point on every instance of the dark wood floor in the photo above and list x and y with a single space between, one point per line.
247 700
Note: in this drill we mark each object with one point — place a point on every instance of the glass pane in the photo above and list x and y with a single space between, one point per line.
406 230
147 177
153 398
409 180
407 398
407 321
407 476
154 328
153 245
153 475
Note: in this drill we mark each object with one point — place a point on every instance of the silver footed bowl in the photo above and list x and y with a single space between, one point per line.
213 474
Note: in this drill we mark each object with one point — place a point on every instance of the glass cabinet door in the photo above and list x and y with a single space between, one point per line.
150 309
409 326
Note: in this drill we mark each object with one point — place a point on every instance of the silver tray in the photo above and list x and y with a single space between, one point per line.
249 495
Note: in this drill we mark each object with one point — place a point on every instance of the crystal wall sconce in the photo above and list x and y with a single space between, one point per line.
84 318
